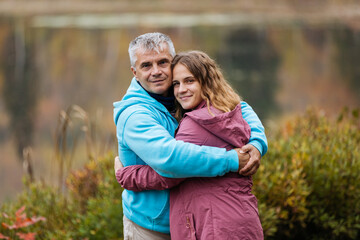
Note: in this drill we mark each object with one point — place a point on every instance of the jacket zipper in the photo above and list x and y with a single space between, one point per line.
188 225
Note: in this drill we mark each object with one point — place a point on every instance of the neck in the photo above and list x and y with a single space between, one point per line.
167 100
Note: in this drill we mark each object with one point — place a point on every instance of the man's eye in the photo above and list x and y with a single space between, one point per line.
145 65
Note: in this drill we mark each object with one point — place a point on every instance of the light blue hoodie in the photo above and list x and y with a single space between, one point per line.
145 131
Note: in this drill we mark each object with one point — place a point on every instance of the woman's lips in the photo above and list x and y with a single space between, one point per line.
184 98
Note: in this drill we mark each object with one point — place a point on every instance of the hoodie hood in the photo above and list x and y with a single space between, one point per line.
230 126
136 95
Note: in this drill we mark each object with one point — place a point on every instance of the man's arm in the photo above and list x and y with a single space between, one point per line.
142 133
257 145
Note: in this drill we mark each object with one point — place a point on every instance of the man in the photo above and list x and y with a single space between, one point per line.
145 132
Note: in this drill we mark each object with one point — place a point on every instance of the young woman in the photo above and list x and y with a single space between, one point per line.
210 114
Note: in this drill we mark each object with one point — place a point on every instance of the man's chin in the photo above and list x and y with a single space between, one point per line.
162 92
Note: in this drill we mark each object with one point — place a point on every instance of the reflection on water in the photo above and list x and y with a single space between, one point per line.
20 90
48 63
167 20
251 62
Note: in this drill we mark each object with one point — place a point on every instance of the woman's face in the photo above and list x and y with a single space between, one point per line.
187 89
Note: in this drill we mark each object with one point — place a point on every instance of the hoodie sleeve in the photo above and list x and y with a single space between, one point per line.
257 138
149 140
143 177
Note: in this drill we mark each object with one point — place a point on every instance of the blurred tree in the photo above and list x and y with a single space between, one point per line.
250 62
20 84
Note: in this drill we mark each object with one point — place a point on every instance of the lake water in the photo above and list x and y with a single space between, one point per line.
279 65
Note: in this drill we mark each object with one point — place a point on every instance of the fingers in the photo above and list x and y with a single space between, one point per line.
246 148
243 158
252 150
117 159
117 164
249 169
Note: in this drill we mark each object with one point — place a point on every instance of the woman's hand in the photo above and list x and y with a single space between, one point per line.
117 164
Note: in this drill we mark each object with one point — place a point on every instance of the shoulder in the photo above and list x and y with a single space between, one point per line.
245 106
186 122
203 113
137 115
190 131
139 109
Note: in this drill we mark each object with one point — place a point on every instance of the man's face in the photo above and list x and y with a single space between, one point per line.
153 71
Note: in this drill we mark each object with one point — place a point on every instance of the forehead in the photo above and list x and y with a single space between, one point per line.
181 71
144 55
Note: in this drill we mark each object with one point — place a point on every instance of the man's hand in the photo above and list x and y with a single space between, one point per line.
253 164
117 164
244 158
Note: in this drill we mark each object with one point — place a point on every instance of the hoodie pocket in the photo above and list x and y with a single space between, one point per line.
190 225
159 218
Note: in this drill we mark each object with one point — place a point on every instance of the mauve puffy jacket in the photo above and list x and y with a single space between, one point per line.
205 208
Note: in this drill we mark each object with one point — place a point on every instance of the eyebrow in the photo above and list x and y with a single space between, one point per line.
164 59
186 78
144 63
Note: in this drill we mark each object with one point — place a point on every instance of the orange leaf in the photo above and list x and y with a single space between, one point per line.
4 237
19 211
24 223
26 236
5 225
20 217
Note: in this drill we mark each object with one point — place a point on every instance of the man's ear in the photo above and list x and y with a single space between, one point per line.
134 71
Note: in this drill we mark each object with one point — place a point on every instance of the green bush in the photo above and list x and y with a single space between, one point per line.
90 210
308 184
103 216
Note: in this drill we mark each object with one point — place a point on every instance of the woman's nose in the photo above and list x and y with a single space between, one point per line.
182 88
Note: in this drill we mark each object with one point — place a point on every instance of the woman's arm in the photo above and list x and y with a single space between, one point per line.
143 177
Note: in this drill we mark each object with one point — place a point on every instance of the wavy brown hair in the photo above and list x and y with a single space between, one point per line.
215 90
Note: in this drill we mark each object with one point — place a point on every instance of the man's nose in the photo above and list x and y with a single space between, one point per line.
155 70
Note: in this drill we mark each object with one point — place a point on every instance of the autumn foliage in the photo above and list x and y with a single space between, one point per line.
308 184
308 187
19 222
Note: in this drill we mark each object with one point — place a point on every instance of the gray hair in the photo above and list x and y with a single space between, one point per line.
150 42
